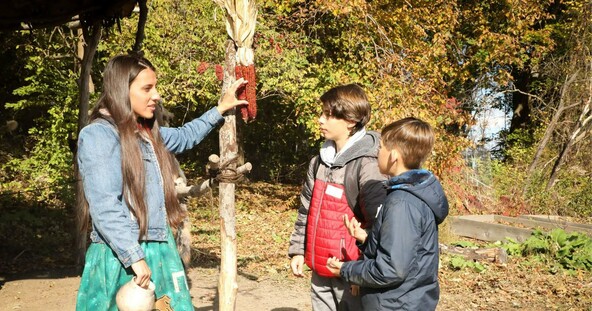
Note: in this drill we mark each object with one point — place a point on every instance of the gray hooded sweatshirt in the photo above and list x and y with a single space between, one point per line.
370 192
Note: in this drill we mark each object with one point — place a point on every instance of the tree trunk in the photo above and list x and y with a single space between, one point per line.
92 36
141 25
227 284
521 118
550 128
580 127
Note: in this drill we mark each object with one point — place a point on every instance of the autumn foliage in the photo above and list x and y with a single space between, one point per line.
440 61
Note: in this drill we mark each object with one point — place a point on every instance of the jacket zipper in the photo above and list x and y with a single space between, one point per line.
318 217
342 249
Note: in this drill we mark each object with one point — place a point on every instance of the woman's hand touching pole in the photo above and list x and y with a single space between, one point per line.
228 99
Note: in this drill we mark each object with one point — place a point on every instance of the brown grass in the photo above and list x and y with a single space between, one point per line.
265 215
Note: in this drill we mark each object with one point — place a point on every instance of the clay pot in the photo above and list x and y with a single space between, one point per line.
132 297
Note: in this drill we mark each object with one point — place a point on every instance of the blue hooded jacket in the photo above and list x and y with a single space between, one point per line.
399 270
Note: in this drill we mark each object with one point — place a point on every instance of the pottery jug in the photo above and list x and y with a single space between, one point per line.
131 297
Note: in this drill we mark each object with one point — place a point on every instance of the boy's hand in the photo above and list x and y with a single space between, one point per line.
355 229
296 264
334 265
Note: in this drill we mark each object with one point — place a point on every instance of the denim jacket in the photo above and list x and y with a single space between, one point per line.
99 162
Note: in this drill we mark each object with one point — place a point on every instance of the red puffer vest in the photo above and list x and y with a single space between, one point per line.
326 235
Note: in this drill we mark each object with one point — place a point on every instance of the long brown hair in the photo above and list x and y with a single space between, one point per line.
119 74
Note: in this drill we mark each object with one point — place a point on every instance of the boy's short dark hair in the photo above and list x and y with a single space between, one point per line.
412 137
347 102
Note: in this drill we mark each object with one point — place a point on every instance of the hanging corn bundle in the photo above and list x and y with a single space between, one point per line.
241 17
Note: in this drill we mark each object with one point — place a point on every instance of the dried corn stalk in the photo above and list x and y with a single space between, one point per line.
241 17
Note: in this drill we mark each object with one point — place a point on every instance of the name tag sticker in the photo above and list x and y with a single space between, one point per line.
334 191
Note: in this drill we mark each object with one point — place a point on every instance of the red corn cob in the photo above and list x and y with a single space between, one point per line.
219 72
251 91
239 72
203 66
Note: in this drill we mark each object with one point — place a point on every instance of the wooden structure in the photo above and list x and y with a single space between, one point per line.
240 25
498 227
32 14
89 17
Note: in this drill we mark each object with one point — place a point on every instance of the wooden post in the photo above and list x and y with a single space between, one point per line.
92 36
227 284
241 18
141 25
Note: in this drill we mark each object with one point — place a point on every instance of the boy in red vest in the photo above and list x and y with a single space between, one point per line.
342 179
399 270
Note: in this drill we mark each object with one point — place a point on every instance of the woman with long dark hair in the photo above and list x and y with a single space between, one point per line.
126 167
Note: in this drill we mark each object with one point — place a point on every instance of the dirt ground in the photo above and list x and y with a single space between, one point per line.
57 292
503 288
35 240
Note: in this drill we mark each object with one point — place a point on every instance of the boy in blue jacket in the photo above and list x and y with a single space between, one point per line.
399 269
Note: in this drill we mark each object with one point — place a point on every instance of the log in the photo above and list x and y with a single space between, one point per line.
184 190
494 254
245 168
227 281
213 164
482 227
499 228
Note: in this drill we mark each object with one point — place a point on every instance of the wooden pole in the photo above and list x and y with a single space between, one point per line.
227 284
91 36
141 25
240 24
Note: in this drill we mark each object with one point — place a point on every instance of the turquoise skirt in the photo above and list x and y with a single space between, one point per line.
104 274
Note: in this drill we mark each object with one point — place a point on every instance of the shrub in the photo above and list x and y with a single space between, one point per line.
559 249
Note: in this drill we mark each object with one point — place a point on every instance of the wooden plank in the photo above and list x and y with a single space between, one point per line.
529 223
474 226
559 221
486 228
533 222
482 218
